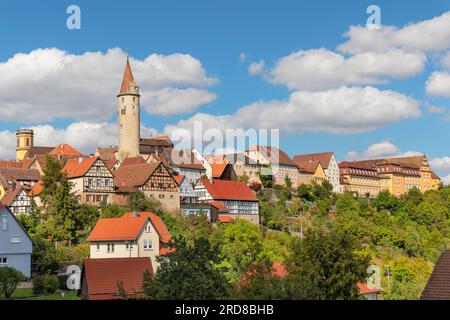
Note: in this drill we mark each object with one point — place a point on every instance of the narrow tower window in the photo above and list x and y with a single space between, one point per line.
124 110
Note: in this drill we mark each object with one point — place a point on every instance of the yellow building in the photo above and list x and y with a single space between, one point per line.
24 142
310 172
359 178
397 175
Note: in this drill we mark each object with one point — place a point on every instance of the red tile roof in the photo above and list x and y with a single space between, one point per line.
179 179
309 166
75 168
219 205
226 218
103 275
65 149
134 175
324 158
37 189
127 227
363 288
10 196
229 190
274 155
132 160
218 169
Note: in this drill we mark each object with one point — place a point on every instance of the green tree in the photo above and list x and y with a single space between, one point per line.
137 201
266 176
241 245
112 210
260 283
325 266
188 273
9 279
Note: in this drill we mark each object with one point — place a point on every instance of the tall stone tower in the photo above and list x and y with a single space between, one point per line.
129 116
24 142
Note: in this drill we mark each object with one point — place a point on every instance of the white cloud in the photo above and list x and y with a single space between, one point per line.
320 69
339 111
442 167
383 149
256 68
426 36
84 136
49 84
242 57
171 101
446 60
438 84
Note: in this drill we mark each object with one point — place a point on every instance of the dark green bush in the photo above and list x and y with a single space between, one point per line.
51 283
38 284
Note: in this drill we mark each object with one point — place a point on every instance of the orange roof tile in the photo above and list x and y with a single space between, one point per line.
179 179
65 149
132 160
324 158
103 275
219 205
229 190
37 189
308 166
218 169
157 223
363 288
134 175
75 168
226 218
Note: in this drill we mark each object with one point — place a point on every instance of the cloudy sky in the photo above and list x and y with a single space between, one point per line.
311 69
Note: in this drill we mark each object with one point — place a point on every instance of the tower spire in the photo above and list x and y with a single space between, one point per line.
128 85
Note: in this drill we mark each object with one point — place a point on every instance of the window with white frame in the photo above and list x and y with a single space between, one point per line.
148 244
15 239
3 260
4 223
110 247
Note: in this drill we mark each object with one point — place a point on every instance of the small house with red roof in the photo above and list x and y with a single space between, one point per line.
236 196
135 234
17 201
91 179
101 278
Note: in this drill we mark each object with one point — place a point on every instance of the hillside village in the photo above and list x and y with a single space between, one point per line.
226 189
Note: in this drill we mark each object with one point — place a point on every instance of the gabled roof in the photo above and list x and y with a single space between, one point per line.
10 196
224 218
308 166
75 168
434 175
37 189
182 159
134 175
274 155
18 174
218 169
103 275
324 158
128 227
35 150
106 154
438 285
363 288
179 179
229 190
132 160
65 149
11 164
220 206
4 207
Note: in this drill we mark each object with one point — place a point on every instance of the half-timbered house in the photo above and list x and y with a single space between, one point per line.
18 201
153 179
91 180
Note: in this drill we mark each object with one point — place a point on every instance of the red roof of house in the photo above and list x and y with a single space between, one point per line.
179 179
10 196
218 169
308 166
132 160
134 175
65 149
219 205
324 158
37 189
127 227
363 288
226 218
75 168
103 275
229 190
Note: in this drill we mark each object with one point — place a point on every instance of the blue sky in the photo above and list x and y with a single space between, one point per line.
215 33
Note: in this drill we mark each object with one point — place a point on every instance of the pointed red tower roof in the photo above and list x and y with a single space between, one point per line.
128 80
